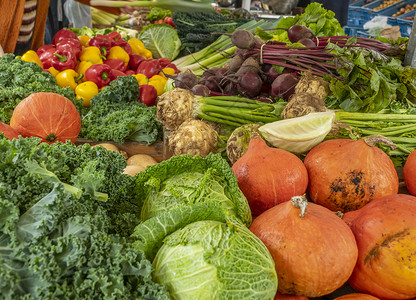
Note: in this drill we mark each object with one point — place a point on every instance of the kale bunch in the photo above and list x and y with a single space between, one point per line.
65 216
117 115
19 79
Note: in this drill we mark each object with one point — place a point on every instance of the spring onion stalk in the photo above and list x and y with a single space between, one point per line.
238 110
216 53
400 128
174 5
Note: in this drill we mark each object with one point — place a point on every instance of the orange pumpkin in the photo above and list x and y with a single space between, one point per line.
289 297
356 296
409 173
269 176
8 131
313 249
385 231
345 174
49 116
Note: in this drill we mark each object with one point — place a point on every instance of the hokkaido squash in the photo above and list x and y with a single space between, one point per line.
346 174
8 131
356 296
409 173
49 116
313 249
385 231
289 297
269 176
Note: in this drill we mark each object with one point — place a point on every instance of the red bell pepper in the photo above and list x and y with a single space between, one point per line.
117 73
73 45
173 66
116 64
134 61
123 44
63 59
130 72
62 34
169 21
114 35
46 57
44 48
149 68
163 62
148 94
100 74
101 42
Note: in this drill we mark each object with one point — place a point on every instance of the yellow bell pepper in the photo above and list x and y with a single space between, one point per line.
168 71
141 78
84 39
136 45
32 56
147 54
82 67
68 78
86 91
117 52
158 82
53 71
91 54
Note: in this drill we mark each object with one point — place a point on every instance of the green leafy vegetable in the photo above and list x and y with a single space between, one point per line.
320 20
54 245
162 40
117 115
157 13
19 79
182 190
222 260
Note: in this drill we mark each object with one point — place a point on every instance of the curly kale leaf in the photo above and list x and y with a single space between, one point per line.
19 79
54 245
117 115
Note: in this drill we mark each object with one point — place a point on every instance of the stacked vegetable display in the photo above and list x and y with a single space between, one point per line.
302 200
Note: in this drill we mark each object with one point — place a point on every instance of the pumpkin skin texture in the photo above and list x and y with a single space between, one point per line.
385 231
409 173
289 297
314 254
356 296
345 174
49 116
269 176
8 131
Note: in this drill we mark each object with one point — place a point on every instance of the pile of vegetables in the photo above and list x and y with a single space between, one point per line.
66 213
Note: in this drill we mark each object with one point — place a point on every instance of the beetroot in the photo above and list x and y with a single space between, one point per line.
284 86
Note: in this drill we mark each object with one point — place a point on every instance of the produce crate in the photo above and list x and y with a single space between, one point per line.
370 6
358 15
355 30
406 24
389 11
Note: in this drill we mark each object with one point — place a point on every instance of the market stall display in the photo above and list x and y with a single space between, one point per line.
273 160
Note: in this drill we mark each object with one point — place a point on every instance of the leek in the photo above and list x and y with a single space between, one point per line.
174 5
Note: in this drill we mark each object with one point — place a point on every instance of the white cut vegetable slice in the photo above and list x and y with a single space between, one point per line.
298 135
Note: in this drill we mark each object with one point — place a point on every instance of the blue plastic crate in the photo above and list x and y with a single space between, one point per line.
405 26
395 8
373 4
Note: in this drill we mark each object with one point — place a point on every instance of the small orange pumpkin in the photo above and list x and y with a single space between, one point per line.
356 296
313 249
8 131
409 173
346 174
49 116
385 231
289 297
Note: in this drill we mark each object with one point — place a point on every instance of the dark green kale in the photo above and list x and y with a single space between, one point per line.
196 30
19 79
117 115
58 243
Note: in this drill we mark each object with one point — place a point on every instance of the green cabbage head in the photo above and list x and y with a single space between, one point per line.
215 260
